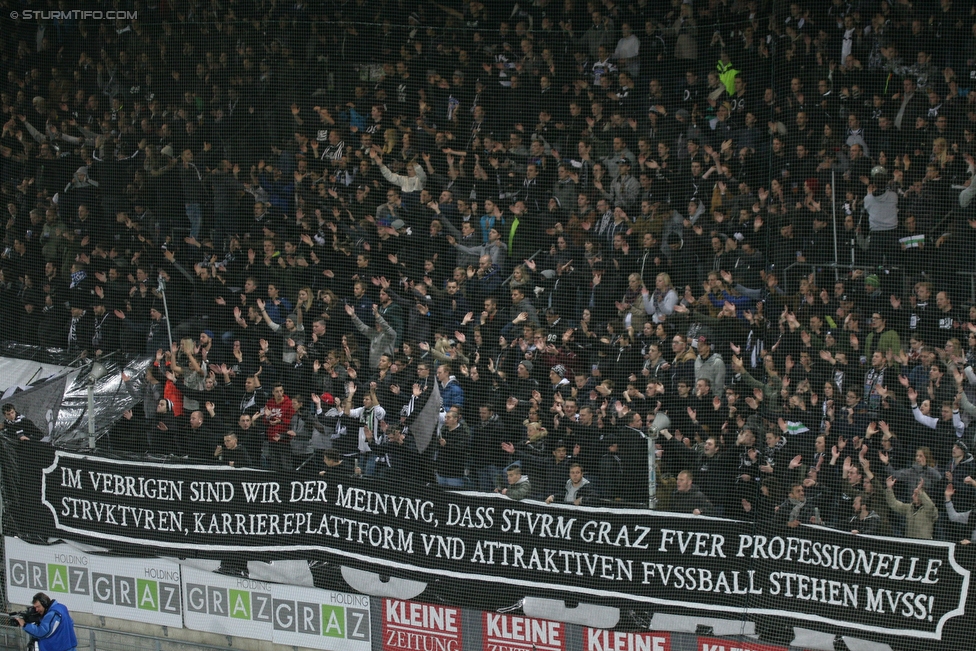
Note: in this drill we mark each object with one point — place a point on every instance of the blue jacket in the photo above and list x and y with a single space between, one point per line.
55 631
452 394
741 302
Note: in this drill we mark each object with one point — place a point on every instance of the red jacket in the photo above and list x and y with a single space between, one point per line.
282 411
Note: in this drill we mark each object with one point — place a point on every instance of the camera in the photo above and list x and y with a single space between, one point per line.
29 615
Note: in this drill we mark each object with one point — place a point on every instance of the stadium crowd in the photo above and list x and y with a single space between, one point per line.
570 217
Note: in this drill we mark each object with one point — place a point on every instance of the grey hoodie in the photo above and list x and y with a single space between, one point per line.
572 492
712 369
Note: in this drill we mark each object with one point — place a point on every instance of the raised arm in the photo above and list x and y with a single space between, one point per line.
362 327
267 319
954 515
922 419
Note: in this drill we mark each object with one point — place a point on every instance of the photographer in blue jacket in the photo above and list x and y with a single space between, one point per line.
55 631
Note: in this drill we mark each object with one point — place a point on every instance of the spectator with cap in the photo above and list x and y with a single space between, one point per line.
556 326
81 328
494 218
625 189
401 464
207 345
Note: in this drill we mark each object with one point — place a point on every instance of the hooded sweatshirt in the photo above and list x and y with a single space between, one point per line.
519 490
712 369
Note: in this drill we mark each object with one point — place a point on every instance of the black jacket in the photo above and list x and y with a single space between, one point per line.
688 501
21 427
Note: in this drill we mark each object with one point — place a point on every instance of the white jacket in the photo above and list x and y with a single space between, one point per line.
406 183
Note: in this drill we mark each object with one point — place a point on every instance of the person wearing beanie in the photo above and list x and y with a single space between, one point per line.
206 341
524 384
871 299
560 383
